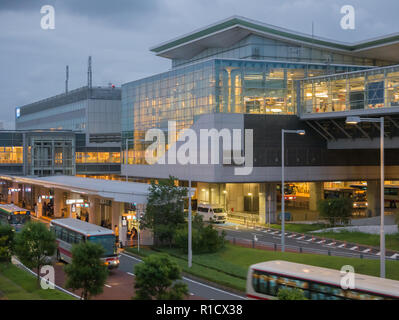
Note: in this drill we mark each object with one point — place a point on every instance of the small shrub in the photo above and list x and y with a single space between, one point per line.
290 294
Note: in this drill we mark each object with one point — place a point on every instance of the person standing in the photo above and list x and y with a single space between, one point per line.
116 230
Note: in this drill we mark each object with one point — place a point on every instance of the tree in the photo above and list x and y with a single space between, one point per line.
205 239
6 243
34 245
336 210
87 271
164 211
290 294
156 279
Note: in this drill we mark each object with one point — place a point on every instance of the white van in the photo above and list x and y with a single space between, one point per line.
212 213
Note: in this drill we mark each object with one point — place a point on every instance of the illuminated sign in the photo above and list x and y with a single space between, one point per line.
18 112
72 201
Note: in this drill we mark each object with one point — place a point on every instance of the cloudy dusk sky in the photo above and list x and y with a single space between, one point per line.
118 34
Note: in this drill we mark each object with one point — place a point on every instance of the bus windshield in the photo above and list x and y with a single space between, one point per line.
19 218
107 242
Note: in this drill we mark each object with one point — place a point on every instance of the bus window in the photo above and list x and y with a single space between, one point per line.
273 285
107 241
64 235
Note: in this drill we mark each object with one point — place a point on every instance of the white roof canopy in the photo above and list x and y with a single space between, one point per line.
120 191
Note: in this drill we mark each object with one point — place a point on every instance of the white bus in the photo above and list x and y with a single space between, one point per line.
73 231
265 279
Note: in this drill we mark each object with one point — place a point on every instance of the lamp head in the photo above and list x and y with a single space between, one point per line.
301 132
352 120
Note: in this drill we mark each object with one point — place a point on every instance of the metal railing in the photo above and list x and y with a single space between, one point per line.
265 245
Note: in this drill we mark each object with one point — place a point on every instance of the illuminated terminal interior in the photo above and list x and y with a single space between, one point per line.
370 89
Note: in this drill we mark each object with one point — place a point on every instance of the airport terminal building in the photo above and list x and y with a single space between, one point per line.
244 74
234 74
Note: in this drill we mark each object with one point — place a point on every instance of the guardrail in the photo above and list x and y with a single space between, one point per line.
265 245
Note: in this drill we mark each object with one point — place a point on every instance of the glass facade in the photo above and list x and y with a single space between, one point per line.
11 155
261 48
213 86
98 157
66 117
375 88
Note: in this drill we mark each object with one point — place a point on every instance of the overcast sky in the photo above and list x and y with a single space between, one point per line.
118 33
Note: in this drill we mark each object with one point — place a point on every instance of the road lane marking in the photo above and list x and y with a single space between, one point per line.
216 289
107 285
187 279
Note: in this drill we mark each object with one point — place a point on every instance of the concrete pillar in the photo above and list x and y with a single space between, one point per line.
373 197
15 194
316 191
58 203
116 213
94 210
235 197
267 202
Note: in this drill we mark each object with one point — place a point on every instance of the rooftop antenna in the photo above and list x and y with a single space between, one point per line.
311 51
89 74
66 79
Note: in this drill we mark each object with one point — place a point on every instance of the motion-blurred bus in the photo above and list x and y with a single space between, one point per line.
391 194
265 279
14 216
73 231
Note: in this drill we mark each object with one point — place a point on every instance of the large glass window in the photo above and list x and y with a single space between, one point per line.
11 154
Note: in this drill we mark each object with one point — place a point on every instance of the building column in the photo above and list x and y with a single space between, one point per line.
93 207
58 203
267 203
116 213
15 195
316 191
373 198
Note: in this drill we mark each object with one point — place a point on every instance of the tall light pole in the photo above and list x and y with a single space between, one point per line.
190 252
283 132
354 121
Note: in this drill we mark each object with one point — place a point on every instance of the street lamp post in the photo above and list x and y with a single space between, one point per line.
354 121
283 132
190 253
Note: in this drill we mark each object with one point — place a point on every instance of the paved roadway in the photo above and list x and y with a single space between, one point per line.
307 242
198 289
120 282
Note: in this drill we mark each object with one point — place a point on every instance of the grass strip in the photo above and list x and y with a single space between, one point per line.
17 284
